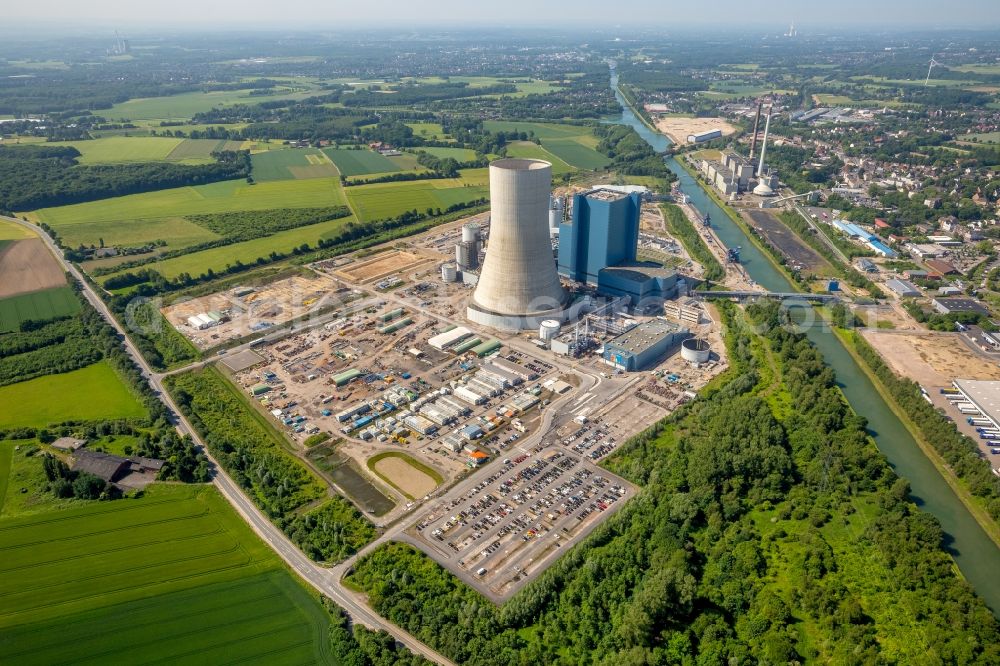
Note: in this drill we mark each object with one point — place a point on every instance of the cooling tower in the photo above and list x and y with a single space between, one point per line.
518 285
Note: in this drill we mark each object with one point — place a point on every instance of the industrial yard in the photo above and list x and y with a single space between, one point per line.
234 314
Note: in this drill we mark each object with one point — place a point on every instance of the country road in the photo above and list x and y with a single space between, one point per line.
325 580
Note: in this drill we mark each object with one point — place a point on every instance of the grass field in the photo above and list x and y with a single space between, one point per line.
988 137
94 392
360 162
108 217
292 164
217 258
384 200
176 567
186 105
200 149
428 130
38 305
457 154
123 149
530 150
572 144
11 231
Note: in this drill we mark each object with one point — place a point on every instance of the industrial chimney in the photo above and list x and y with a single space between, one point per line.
518 285
763 189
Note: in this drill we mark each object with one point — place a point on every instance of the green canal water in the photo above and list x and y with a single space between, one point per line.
976 555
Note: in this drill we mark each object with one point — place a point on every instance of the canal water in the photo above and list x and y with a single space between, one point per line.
977 556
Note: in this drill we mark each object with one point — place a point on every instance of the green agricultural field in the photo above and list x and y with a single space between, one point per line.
384 200
530 150
360 162
36 305
292 163
428 130
457 154
177 567
11 231
177 232
91 393
576 154
186 105
541 130
987 137
218 258
124 149
199 149
104 217
977 68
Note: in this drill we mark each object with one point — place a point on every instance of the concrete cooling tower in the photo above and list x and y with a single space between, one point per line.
518 286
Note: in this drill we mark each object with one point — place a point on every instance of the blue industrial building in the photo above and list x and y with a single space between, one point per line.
598 246
639 347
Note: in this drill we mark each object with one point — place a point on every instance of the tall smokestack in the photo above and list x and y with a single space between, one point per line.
763 148
756 125
763 189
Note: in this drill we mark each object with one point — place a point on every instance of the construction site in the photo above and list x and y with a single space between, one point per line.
433 359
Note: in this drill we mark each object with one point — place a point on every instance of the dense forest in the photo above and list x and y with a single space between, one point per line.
40 176
630 154
769 530
253 453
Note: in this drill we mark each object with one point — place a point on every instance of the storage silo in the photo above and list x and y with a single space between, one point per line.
449 273
695 350
549 329
470 232
556 207
518 286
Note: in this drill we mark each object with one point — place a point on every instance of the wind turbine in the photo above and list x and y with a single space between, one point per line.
934 63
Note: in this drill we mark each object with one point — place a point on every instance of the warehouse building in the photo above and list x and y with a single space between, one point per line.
639 347
449 338
903 288
959 305
702 137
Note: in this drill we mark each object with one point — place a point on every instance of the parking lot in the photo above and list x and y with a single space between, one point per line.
504 530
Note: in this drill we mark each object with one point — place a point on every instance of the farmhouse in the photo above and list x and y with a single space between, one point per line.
114 469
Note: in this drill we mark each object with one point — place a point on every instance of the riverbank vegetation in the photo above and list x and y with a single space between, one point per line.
680 227
769 530
960 453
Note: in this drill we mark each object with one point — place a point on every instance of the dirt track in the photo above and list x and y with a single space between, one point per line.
25 266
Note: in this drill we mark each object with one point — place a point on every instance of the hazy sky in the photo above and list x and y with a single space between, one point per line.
327 14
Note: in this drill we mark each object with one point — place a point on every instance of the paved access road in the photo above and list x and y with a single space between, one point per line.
327 581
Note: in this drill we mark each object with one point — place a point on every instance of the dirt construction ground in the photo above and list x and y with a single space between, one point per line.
931 359
678 129
27 265
383 265
405 476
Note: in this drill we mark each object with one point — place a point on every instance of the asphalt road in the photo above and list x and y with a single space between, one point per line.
327 581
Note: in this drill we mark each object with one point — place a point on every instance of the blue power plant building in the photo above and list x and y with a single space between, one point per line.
598 246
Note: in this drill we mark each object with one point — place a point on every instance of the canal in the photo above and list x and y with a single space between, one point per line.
976 555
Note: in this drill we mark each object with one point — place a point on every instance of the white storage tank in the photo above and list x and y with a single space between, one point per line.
549 329
470 232
695 350
449 273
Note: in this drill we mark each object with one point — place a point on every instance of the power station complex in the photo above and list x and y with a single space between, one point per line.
519 287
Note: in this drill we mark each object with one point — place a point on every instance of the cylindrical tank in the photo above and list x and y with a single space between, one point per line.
695 350
549 329
518 280
449 273
470 232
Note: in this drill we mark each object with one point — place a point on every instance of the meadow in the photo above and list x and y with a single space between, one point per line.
91 393
176 568
217 258
360 162
111 219
428 130
457 154
572 144
530 150
186 105
36 305
385 200
11 231
293 163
